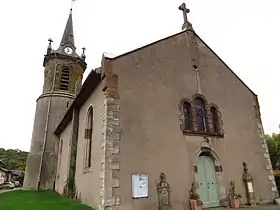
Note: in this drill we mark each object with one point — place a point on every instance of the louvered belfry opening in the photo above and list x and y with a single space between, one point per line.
65 78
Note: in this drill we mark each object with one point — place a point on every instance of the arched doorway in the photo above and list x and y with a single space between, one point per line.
208 185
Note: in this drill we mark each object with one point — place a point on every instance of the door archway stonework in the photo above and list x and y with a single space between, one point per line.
207 149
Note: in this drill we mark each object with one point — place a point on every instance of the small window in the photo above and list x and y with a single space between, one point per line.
187 116
215 119
65 78
200 114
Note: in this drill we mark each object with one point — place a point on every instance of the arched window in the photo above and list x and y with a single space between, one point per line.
187 116
88 138
65 78
215 119
200 114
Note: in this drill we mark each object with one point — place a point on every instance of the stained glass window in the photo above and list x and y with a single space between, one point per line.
200 114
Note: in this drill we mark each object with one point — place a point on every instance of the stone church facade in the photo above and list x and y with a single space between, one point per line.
171 111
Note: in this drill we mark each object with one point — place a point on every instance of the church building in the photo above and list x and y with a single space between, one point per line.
147 125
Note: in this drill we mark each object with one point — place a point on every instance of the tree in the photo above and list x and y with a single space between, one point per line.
13 159
273 143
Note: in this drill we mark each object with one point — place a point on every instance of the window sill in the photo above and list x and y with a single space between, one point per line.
87 170
203 134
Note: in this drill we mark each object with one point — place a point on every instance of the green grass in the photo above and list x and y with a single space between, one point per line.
33 200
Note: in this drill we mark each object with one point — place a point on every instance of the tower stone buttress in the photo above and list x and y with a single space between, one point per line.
63 75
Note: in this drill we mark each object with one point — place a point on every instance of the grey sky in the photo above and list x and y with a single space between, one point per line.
245 34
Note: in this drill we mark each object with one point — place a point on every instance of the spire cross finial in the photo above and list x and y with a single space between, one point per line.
185 12
83 54
50 46
50 41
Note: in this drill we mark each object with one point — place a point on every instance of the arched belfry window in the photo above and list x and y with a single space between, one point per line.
187 111
65 78
200 110
88 137
215 119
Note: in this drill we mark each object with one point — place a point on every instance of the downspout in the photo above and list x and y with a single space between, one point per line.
46 128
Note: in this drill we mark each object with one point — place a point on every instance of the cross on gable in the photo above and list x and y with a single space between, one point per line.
185 11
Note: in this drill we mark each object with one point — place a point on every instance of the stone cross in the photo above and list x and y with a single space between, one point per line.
83 53
50 46
185 11
50 41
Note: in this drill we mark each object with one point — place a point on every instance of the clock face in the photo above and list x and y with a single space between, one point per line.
68 50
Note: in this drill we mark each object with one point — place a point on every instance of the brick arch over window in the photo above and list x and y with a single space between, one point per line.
88 137
198 95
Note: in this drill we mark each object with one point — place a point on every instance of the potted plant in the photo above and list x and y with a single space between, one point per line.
277 201
195 202
233 197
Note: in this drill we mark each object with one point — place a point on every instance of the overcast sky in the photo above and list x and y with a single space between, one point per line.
245 34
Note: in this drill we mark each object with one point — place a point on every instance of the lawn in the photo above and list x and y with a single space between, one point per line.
33 200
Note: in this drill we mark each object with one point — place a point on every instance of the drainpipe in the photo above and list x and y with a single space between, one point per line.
46 127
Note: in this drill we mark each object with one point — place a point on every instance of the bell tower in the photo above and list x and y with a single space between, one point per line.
63 75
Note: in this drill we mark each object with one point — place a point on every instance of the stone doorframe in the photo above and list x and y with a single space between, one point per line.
218 169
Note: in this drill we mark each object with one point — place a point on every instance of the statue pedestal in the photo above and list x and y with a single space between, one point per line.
163 189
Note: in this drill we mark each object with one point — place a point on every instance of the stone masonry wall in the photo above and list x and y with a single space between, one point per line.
271 177
110 147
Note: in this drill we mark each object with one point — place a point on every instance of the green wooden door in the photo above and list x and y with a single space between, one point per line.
208 187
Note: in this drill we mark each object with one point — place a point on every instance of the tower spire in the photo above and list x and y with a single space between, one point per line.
68 35
66 68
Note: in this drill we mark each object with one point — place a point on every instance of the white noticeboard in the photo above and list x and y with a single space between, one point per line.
139 185
250 187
